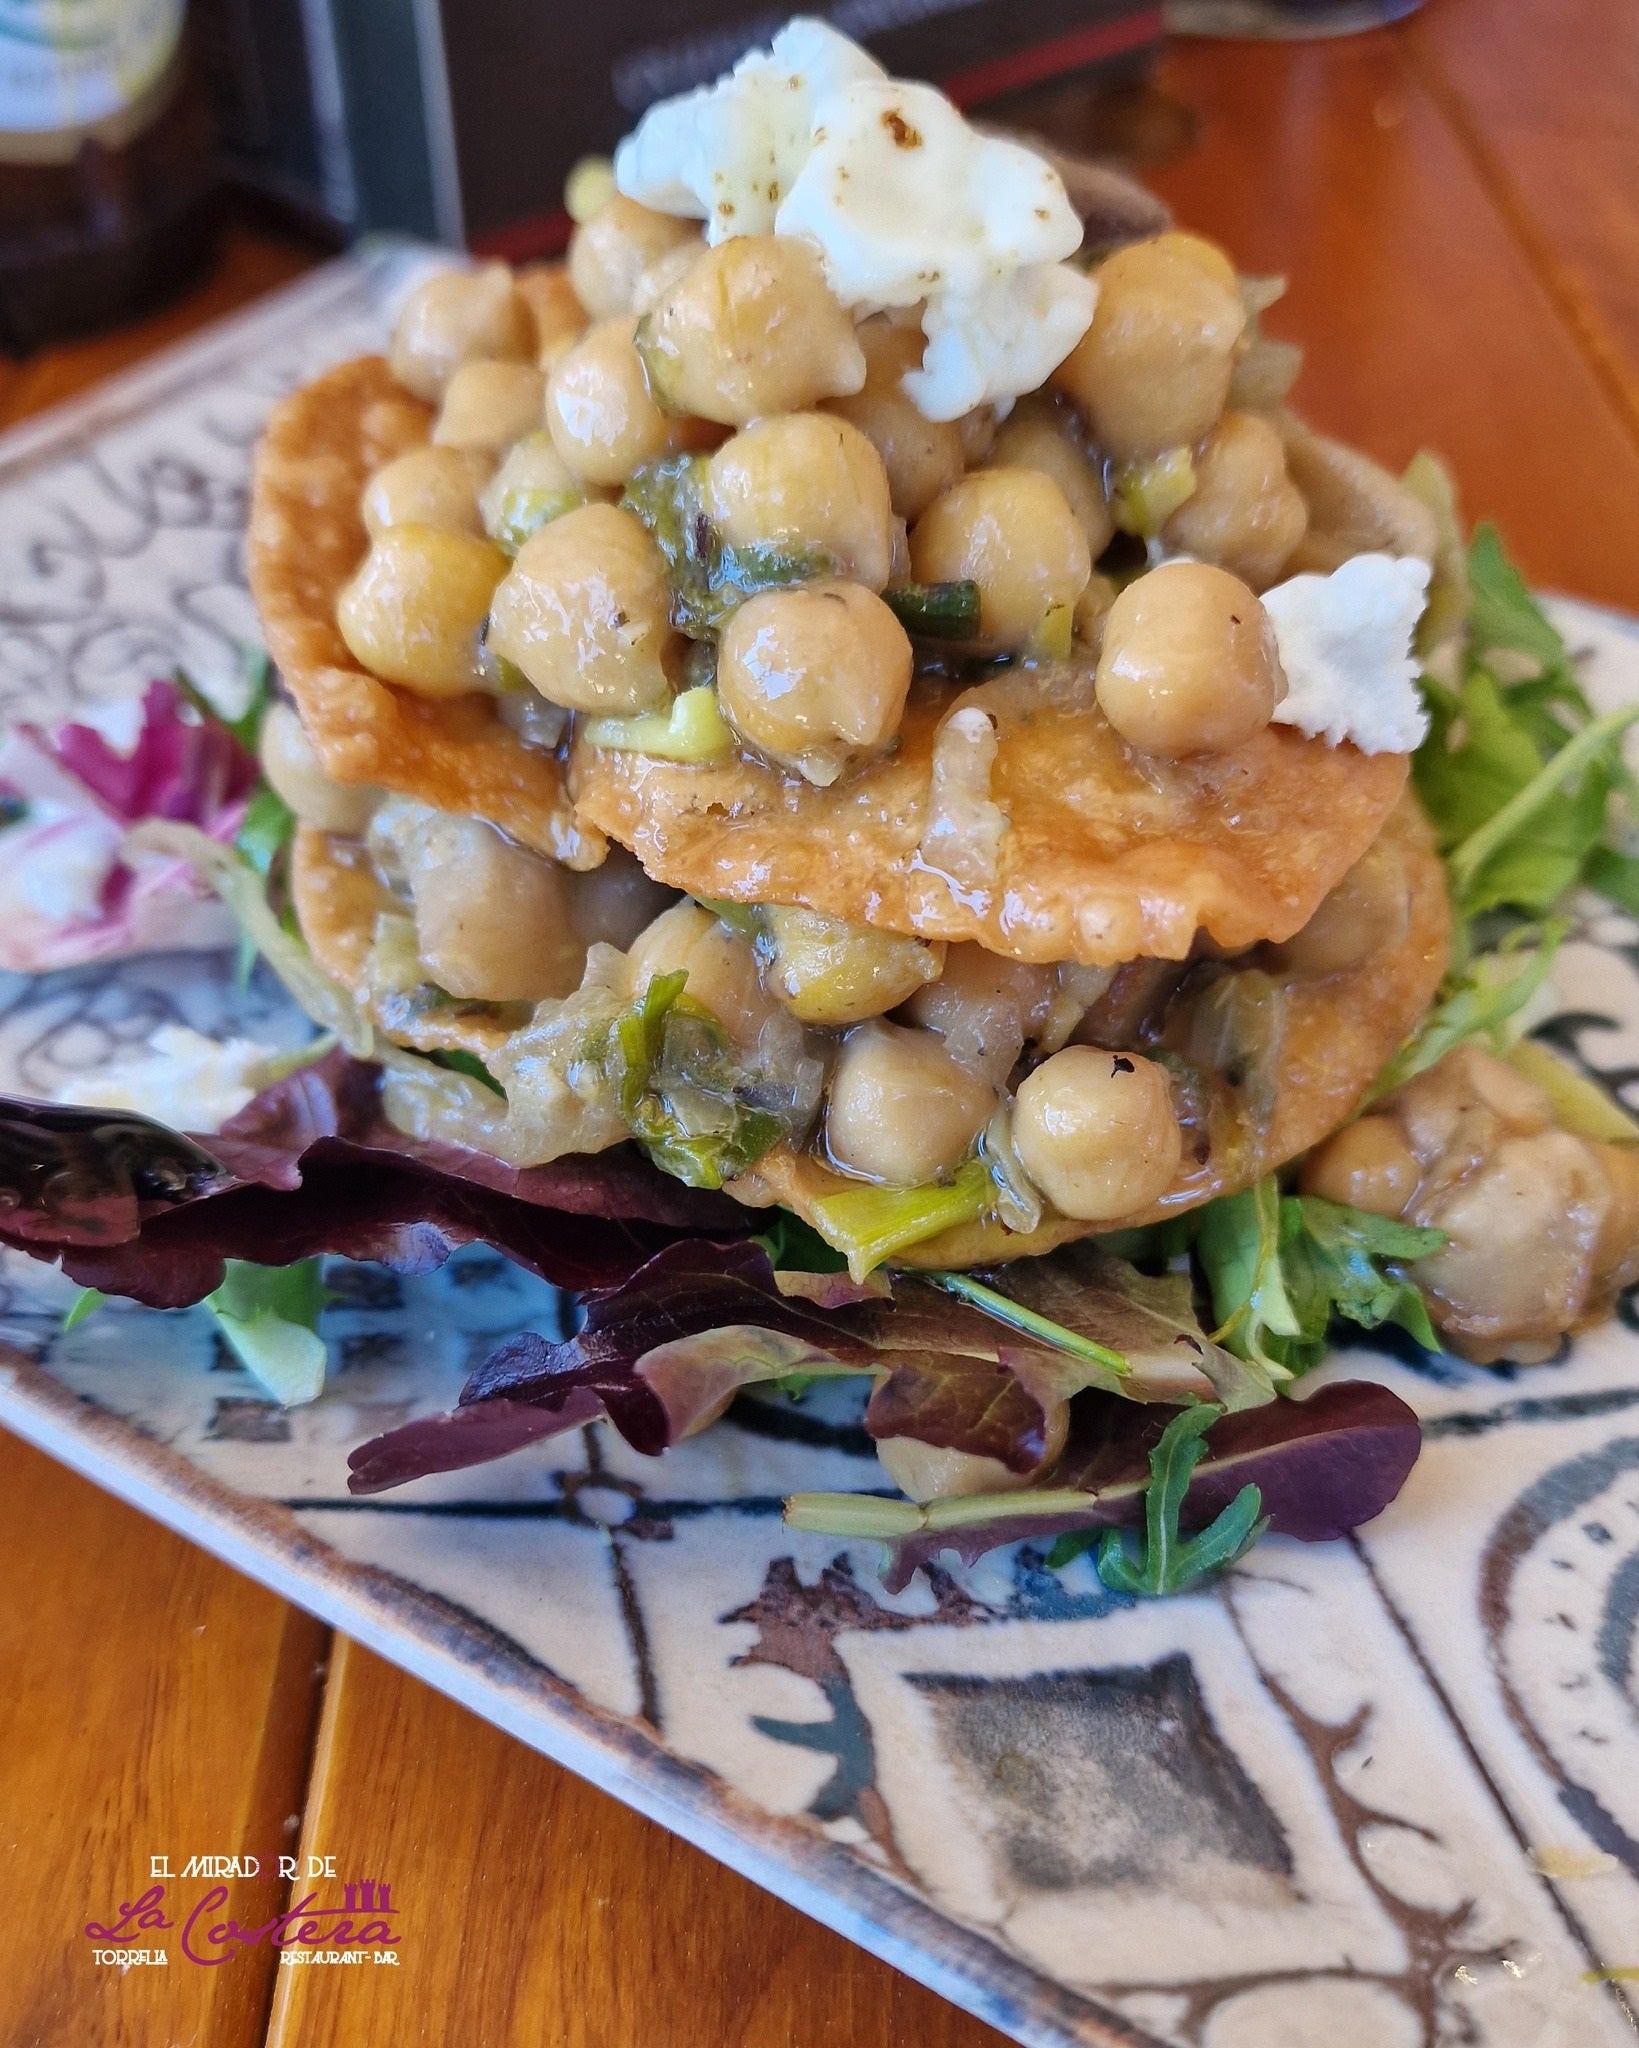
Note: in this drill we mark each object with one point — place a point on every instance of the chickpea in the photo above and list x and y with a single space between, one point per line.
489 406
427 487
491 918
921 456
459 316
804 480
559 316
1616 1262
664 272
1153 370
294 773
611 251
1013 533
1366 1165
984 1007
585 612
751 329
828 971
413 612
1189 664
900 1109
1092 610
1364 913
1245 512
721 968
599 411
814 676
1097 1133
927 1472
1041 434
615 902
532 486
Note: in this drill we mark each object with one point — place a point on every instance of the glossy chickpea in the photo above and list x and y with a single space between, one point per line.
616 901
1153 370
900 1109
804 481
491 918
585 612
413 611
611 251
459 316
1013 533
554 305
985 1007
814 676
1097 1133
922 457
488 406
1188 663
294 774
1366 1165
1245 512
751 328
1043 434
1365 913
720 965
427 487
830 972
599 410
927 1472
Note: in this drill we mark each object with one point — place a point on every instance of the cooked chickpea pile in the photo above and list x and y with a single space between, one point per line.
519 552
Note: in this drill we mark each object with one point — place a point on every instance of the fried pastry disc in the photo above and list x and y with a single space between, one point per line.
1336 1036
337 900
1112 854
307 537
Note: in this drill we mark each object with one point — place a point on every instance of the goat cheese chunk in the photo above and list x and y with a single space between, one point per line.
905 203
728 153
180 1078
1345 644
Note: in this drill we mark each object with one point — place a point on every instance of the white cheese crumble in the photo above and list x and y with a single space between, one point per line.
1345 644
180 1078
904 201
57 865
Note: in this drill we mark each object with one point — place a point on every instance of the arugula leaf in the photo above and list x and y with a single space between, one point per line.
1168 1561
1019 1317
256 672
268 827
1479 1003
1280 1268
1502 612
85 1303
678 1091
1238 1245
269 1316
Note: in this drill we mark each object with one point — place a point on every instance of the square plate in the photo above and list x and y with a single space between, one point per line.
1375 1794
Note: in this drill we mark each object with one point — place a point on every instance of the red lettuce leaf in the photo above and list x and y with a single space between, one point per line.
177 769
311 1166
1324 1465
950 1375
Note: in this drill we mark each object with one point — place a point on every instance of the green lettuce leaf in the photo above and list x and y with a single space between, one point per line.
269 1317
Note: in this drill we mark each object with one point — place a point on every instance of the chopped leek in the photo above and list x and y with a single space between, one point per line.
694 729
935 611
1580 1106
868 1225
1144 495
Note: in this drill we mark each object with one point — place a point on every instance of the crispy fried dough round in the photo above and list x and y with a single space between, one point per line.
1338 1034
1112 854
337 900
307 536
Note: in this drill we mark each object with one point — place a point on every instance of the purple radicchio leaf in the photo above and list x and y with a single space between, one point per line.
191 770
309 1167
1324 1465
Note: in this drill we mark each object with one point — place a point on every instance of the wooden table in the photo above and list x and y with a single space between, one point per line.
1454 203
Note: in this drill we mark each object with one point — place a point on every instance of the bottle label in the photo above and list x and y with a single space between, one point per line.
72 66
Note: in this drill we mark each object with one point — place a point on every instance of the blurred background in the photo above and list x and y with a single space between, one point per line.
127 127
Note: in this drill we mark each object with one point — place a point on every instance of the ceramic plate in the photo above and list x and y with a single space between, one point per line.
1376 1794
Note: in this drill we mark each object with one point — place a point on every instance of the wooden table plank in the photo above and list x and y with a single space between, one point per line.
1549 122
1422 316
154 1703
533 1910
